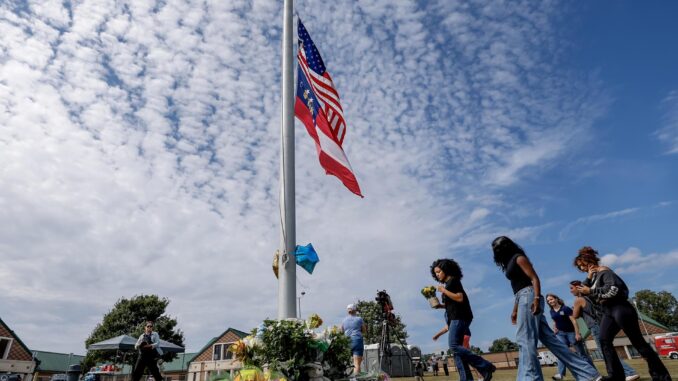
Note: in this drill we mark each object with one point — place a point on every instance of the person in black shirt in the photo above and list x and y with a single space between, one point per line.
458 317
607 289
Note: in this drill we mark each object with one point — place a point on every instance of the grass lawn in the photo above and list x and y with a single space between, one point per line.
510 374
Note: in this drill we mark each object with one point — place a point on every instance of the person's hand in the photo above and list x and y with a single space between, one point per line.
440 288
577 337
555 329
536 307
584 290
435 337
592 270
514 317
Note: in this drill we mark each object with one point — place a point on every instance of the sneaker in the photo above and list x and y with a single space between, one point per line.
632 377
558 377
487 373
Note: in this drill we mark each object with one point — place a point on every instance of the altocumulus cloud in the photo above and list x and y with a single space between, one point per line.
139 153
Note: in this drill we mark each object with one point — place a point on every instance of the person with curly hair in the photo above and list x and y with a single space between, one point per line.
528 315
566 329
607 289
458 317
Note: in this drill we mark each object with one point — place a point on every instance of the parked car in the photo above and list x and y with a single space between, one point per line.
59 377
10 377
667 345
547 358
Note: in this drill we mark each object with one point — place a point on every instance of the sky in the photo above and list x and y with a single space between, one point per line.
139 154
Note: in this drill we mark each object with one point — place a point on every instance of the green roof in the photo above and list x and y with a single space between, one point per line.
650 320
56 362
180 363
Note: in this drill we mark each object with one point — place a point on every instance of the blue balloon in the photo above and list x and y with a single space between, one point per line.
306 257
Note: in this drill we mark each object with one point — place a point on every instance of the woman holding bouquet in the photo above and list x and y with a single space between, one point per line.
458 317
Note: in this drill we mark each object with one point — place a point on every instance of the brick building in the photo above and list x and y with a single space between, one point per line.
15 357
215 357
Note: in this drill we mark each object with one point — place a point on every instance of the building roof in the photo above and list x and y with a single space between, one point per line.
16 338
56 362
180 363
240 334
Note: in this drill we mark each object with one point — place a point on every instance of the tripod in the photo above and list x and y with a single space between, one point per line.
385 346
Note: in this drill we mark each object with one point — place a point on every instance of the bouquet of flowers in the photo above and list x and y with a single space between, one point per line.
430 295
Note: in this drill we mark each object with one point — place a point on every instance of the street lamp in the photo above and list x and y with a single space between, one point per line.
299 302
642 321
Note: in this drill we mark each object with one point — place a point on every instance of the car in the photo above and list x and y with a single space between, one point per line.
667 345
10 377
59 377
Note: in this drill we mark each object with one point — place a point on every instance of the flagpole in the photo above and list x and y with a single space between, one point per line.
287 284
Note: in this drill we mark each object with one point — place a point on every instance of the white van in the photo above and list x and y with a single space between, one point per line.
547 358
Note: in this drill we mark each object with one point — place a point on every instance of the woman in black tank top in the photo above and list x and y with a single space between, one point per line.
528 316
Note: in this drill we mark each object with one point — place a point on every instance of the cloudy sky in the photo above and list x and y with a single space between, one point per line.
139 154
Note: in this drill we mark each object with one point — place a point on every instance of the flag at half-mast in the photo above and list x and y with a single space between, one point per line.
317 105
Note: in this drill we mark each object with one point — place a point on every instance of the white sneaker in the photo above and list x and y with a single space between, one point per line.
557 377
632 377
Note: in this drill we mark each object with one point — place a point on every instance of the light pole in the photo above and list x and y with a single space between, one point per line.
299 302
642 321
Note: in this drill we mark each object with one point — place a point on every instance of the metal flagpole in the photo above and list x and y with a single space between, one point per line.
287 286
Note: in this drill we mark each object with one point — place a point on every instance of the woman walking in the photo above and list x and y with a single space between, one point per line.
527 315
458 317
566 330
608 290
592 313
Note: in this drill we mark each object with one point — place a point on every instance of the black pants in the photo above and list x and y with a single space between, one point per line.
146 361
622 315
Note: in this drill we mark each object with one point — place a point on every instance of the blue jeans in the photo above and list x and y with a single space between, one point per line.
535 328
595 332
570 339
462 356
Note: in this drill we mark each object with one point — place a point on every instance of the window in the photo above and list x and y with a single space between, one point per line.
216 354
5 344
228 355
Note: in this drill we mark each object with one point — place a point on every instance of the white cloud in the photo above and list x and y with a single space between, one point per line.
139 145
596 218
634 261
668 134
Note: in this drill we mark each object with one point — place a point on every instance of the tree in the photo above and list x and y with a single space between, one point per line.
661 306
476 350
372 316
128 317
503 345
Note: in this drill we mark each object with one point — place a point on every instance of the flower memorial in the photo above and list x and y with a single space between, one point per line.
293 350
430 295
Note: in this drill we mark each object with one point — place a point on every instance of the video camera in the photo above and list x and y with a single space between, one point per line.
384 300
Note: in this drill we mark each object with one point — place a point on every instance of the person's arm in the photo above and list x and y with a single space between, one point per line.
138 344
514 314
527 268
363 327
569 313
155 340
440 333
456 296
578 307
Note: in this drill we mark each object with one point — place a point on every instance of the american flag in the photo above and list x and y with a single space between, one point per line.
318 107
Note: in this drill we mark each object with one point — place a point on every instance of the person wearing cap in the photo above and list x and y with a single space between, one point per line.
354 327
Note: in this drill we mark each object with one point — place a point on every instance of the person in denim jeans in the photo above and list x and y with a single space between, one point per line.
566 330
458 316
528 316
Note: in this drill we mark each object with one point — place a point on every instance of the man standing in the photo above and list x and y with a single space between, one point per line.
354 327
148 346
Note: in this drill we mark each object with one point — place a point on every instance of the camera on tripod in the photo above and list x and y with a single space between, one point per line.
384 300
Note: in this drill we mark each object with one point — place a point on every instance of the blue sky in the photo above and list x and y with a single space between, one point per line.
139 154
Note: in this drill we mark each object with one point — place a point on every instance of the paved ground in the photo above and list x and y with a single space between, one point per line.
510 374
